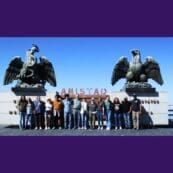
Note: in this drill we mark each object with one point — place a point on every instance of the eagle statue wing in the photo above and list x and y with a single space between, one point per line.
120 70
13 70
152 70
46 71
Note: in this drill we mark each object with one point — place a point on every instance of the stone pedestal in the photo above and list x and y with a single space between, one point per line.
29 91
155 106
142 91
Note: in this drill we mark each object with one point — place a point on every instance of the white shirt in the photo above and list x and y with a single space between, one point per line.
83 107
48 106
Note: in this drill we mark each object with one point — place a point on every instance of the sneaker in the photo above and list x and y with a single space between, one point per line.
116 128
60 128
46 128
36 128
40 128
85 128
53 128
107 128
101 128
98 128
120 128
79 128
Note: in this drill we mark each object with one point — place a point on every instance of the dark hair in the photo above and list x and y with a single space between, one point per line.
29 100
66 95
49 100
22 98
116 100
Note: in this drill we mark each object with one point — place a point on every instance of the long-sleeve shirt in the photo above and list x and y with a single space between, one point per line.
37 105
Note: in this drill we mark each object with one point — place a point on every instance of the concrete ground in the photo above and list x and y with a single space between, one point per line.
12 130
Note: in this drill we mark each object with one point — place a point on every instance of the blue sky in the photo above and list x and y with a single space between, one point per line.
86 62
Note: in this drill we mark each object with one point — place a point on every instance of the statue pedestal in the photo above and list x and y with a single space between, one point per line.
155 106
141 91
29 91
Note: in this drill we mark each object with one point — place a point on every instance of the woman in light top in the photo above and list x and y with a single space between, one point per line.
29 113
117 113
48 113
100 113
84 113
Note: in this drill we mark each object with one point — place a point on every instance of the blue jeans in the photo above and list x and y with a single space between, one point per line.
22 120
67 120
76 118
84 119
28 120
100 117
118 119
126 120
108 118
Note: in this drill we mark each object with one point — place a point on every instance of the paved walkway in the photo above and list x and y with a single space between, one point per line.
6 130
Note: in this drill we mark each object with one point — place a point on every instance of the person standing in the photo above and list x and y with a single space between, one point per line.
58 112
48 113
67 112
108 111
22 112
92 109
38 113
29 113
136 110
76 112
125 107
84 113
117 113
100 113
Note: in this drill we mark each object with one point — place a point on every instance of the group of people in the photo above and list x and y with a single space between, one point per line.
79 113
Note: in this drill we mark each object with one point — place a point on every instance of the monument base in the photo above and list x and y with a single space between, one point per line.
142 91
155 107
19 91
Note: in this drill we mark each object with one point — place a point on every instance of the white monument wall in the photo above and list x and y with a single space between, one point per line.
157 106
7 104
158 111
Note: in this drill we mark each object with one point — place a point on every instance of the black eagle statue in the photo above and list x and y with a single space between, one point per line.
30 73
135 72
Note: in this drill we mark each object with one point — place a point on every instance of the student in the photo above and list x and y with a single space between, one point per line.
48 113
136 110
100 113
92 109
29 113
117 113
38 110
67 112
22 111
125 107
76 112
108 111
84 113
58 112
